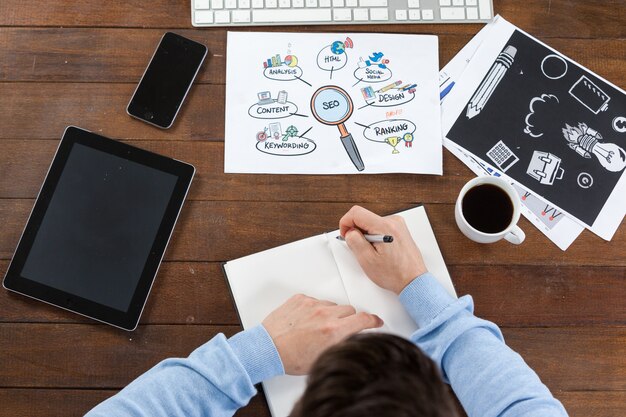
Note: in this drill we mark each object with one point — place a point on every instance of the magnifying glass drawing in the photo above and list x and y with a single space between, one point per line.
331 105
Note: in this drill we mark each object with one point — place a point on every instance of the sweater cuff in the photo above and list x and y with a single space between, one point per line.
257 353
424 298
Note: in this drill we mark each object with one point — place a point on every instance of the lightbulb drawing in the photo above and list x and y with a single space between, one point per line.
331 105
586 141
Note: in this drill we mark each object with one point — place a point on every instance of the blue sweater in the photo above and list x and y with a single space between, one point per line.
219 377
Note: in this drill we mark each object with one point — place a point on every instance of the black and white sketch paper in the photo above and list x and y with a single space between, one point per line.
555 116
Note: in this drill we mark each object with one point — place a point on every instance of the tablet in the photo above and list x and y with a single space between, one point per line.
99 228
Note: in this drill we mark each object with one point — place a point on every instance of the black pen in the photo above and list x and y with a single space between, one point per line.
373 238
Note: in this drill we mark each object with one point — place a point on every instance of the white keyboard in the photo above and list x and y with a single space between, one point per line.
326 12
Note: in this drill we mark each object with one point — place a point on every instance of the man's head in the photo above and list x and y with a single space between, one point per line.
375 375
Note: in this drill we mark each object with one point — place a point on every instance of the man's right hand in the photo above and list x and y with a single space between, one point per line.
390 265
303 327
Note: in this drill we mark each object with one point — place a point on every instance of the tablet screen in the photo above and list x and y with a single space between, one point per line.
98 230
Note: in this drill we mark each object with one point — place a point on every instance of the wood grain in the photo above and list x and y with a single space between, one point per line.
246 227
594 403
210 182
196 293
101 108
121 55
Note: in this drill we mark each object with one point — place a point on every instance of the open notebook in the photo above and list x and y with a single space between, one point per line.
323 267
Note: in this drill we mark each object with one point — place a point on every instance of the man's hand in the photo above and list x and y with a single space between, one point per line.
303 327
390 265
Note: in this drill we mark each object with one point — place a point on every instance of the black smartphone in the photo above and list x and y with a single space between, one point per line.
167 80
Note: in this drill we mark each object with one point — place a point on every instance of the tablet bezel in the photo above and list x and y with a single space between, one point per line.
129 319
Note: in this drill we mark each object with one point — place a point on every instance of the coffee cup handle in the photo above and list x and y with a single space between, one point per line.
515 236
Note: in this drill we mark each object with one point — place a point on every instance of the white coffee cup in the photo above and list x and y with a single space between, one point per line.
512 232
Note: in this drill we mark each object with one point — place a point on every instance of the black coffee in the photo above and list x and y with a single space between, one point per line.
487 208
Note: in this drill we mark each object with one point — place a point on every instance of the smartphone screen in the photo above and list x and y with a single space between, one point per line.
167 80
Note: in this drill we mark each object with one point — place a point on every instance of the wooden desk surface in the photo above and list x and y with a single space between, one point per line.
77 62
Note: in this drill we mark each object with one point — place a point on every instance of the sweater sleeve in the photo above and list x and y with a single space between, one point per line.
488 377
215 380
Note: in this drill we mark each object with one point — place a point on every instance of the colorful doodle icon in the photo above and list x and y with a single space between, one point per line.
545 168
274 130
275 68
391 95
408 140
276 61
376 59
391 132
374 69
339 47
265 97
586 142
268 108
331 105
291 132
333 57
393 141
291 144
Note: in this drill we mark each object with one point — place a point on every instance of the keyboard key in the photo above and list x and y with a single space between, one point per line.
257 4
485 9
311 3
452 13
241 16
298 3
342 15
291 15
217 4
373 3
202 4
457 2
379 14
244 4
445 2
271 4
324 3
230 4
401 14
414 4
222 16
471 2
337 3
472 13
284 4
352 3
361 14
204 16
414 14
427 14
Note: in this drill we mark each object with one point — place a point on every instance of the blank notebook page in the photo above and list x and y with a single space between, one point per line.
263 281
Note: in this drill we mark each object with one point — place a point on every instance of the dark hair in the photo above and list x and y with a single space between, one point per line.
375 374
